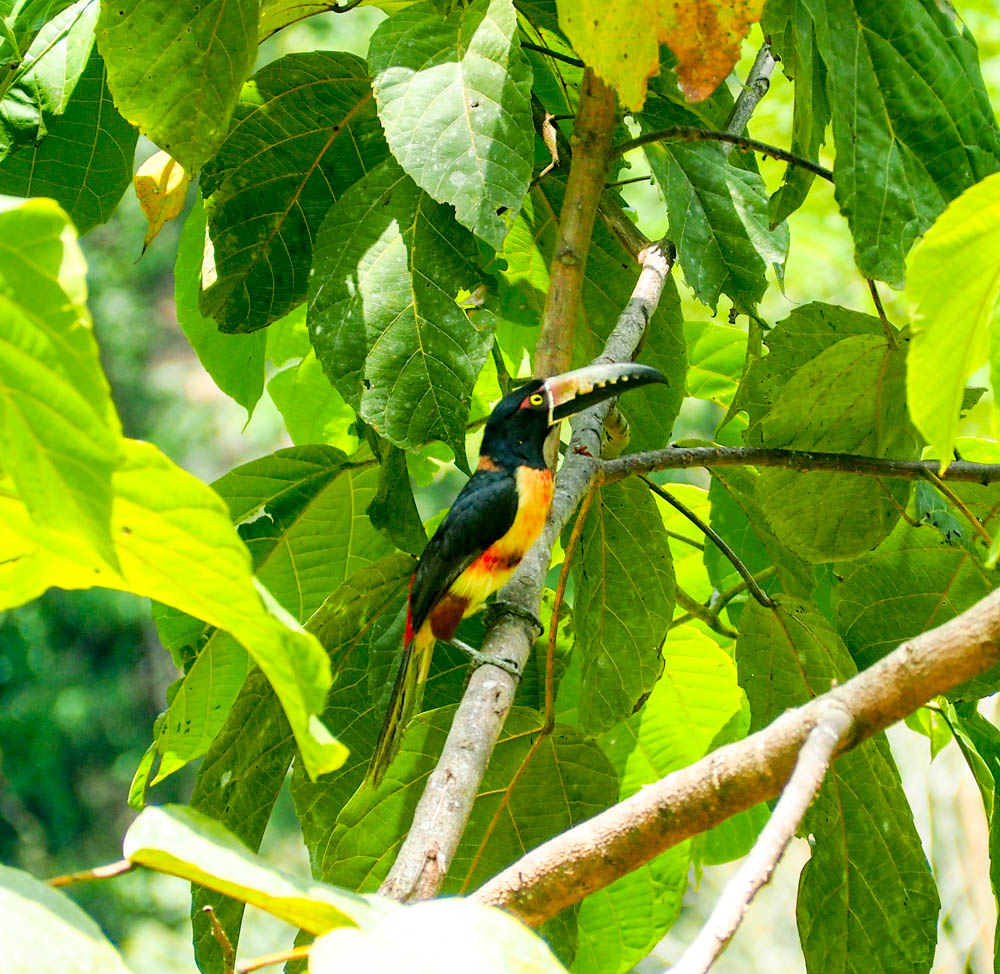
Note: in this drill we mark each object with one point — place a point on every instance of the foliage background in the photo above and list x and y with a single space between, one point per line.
82 675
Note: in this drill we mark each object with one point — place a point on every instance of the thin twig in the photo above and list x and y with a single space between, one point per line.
228 954
686 133
265 960
342 8
755 590
698 611
957 501
757 84
628 182
109 871
721 599
756 870
890 333
684 539
682 458
565 58
737 776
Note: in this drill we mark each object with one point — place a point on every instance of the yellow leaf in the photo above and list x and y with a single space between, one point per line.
620 40
161 187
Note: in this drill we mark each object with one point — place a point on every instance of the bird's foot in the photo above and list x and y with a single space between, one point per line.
482 659
500 608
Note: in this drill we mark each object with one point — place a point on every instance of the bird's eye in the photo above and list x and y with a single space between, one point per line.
537 399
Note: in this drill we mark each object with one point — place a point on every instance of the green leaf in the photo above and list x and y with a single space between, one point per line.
276 14
59 433
717 212
177 840
175 68
84 160
916 580
313 410
237 785
300 513
43 931
305 128
623 603
567 775
175 544
235 362
394 510
689 568
437 937
23 19
383 319
848 400
454 97
693 700
867 900
953 290
716 354
911 120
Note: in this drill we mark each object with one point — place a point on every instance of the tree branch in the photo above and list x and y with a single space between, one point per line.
757 84
592 130
680 458
451 789
735 777
756 870
686 133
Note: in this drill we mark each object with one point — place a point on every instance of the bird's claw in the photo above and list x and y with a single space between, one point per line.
500 608
482 659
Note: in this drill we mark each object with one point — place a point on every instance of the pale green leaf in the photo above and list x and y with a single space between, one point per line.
313 410
623 603
59 433
454 97
304 131
175 68
178 840
388 265
954 280
235 362
716 354
437 937
42 931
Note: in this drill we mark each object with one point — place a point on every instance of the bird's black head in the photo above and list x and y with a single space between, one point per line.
516 430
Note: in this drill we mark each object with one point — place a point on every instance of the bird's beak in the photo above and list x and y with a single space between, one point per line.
572 391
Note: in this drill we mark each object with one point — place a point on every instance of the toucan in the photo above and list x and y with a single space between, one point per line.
493 522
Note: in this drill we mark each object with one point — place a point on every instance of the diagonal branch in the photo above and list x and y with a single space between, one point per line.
756 870
595 853
680 458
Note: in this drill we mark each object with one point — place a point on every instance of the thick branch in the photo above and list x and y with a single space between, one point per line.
595 853
591 142
680 458
756 870
451 789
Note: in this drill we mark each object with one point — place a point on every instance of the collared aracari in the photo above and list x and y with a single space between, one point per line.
495 519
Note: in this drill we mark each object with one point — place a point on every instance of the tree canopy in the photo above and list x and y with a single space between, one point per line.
387 245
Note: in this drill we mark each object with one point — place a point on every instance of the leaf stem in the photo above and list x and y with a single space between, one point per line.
890 335
957 501
696 610
109 871
565 58
228 954
265 960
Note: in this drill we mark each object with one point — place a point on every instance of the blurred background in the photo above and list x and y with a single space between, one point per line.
82 674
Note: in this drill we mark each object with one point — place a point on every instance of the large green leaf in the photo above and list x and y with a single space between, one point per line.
301 514
304 131
692 702
954 282
313 410
175 543
436 937
454 96
623 603
82 155
59 433
911 120
388 265
235 362
918 578
716 354
176 839
23 19
867 901
43 931
850 400
568 777
175 68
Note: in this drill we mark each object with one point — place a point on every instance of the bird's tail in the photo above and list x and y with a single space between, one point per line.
407 693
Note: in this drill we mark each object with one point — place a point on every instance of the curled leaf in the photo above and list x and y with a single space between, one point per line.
161 187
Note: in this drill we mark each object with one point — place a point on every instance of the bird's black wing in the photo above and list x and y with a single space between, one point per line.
482 513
